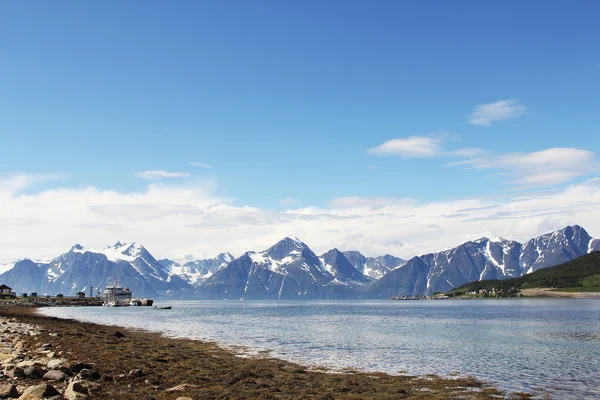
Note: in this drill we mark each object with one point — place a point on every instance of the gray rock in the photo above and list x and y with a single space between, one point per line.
76 391
79 366
55 375
42 391
56 364
81 390
25 364
32 372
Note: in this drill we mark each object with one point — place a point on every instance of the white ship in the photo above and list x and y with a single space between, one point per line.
116 296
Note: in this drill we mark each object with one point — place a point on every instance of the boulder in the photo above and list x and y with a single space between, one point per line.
42 391
25 364
32 372
76 391
54 375
8 391
79 366
87 375
57 364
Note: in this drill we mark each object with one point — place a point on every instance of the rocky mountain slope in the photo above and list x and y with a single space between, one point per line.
483 259
196 272
291 270
287 270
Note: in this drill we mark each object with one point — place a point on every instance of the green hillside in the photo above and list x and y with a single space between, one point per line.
579 275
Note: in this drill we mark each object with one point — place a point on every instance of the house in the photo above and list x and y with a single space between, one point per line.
59 296
80 295
6 291
33 294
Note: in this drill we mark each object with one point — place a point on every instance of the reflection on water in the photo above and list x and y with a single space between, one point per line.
519 344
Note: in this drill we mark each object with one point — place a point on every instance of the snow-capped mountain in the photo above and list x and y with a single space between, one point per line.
556 248
78 269
26 276
291 270
287 270
373 267
483 259
196 272
336 263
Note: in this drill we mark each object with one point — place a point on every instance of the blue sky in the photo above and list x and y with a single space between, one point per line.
285 99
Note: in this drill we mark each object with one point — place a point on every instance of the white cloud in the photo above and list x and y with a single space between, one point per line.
15 183
158 175
547 167
410 147
542 168
200 165
485 114
288 202
175 220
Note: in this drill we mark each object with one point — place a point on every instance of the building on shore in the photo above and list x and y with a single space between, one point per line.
80 295
6 291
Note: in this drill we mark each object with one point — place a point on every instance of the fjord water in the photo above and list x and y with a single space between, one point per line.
515 344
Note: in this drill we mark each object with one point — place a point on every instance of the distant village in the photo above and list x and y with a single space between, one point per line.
7 293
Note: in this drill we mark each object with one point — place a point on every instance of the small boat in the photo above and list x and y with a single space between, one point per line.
163 307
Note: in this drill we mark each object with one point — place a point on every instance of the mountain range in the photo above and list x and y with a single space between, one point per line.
291 270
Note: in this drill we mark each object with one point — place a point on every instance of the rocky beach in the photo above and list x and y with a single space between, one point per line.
48 358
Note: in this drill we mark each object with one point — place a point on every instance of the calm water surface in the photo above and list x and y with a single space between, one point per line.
519 344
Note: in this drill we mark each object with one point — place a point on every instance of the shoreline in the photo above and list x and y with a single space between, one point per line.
133 364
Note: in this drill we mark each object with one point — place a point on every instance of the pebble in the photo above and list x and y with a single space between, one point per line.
18 361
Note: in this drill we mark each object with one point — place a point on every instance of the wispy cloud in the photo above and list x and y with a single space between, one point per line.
18 182
547 167
200 165
485 114
541 168
158 175
410 147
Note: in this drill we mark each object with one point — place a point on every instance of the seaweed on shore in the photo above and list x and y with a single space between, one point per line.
144 365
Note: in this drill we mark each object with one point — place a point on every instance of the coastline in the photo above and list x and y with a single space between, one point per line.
133 364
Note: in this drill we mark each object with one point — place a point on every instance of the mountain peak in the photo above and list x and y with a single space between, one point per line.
225 257
285 247
295 240
77 247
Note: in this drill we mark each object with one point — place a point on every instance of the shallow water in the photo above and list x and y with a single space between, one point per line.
515 344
